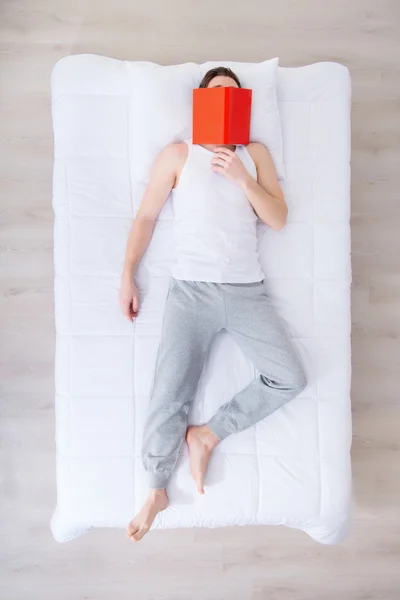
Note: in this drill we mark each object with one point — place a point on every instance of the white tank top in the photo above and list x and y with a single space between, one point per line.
215 224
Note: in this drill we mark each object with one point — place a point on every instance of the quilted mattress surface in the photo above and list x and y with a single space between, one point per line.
294 467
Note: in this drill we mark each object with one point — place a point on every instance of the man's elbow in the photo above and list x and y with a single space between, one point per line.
281 219
280 224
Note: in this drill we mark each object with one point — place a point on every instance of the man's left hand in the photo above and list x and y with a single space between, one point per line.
229 164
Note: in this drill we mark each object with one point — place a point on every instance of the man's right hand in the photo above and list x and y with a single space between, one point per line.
129 298
168 164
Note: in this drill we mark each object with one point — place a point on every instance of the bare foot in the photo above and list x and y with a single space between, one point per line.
201 441
140 525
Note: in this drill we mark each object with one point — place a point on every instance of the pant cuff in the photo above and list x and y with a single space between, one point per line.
157 481
218 427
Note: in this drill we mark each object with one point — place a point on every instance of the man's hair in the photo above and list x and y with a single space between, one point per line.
218 72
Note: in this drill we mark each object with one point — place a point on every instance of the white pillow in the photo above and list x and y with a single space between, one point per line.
161 108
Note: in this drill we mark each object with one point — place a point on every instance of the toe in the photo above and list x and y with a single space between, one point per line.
132 529
139 534
200 484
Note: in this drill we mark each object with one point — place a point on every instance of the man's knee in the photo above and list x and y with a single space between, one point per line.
298 378
295 379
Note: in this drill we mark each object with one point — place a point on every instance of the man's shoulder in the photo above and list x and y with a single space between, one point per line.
176 149
257 147
172 153
257 151
172 157
175 152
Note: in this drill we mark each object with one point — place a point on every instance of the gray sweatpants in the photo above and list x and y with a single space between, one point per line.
195 312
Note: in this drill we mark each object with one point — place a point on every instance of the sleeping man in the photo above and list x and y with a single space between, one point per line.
218 284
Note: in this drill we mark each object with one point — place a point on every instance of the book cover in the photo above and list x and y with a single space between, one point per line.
221 115
238 111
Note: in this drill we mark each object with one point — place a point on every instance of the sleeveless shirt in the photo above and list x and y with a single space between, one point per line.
214 223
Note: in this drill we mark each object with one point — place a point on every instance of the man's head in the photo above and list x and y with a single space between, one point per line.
221 109
220 77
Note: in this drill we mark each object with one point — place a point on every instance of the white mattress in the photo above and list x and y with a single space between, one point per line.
294 467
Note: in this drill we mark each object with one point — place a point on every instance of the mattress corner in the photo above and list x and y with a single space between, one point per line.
62 530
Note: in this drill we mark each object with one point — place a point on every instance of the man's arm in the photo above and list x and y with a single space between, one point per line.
162 180
265 194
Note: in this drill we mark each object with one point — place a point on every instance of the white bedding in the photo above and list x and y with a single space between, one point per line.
294 467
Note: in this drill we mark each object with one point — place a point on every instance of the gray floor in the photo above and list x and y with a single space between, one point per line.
235 563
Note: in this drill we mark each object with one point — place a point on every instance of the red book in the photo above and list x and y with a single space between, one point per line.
221 115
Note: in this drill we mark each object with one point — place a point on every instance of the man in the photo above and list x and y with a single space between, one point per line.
218 194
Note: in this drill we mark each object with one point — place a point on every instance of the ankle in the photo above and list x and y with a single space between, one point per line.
157 493
208 437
